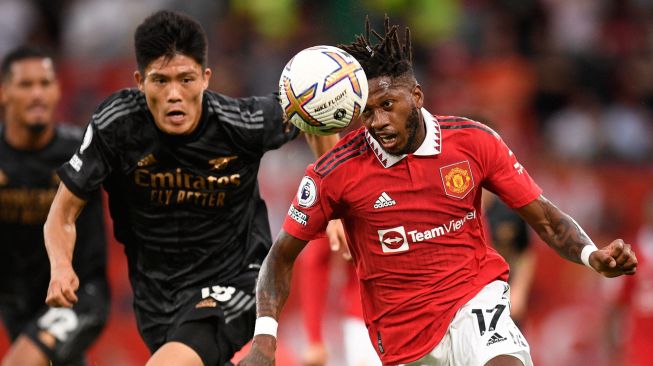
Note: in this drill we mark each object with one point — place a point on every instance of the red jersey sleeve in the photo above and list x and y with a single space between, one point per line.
506 176
311 209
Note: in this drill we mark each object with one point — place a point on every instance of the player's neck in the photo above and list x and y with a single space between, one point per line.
21 137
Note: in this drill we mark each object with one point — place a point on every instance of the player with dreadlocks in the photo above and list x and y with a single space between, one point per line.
408 188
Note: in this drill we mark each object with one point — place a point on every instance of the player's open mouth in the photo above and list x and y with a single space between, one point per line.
176 116
387 140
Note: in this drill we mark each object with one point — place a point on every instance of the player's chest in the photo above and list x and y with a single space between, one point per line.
206 177
29 171
28 184
428 188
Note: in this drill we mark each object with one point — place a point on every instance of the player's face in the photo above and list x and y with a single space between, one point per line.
30 93
173 89
392 114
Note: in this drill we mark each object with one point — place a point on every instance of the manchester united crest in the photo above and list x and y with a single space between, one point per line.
457 179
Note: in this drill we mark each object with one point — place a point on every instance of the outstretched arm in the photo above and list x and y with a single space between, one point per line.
562 233
272 290
60 235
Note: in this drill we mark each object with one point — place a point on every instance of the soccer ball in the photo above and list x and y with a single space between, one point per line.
322 90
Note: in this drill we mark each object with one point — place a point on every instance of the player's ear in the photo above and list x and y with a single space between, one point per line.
418 96
207 77
138 77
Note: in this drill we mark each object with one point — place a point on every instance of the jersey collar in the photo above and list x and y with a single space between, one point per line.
432 144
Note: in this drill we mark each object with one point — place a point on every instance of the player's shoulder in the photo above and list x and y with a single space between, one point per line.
351 146
456 124
247 112
119 106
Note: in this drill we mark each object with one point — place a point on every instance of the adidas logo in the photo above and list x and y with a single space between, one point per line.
384 201
496 338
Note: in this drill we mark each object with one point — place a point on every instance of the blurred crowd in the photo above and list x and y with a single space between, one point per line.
567 83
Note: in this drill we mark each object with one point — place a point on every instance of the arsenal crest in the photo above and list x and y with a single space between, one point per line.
457 179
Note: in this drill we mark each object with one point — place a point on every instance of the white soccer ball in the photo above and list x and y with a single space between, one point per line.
322 90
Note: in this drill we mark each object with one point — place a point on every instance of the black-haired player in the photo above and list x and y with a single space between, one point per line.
180 165
32 148
433 291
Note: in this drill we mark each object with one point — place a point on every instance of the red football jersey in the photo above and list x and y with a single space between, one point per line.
414 225
637 298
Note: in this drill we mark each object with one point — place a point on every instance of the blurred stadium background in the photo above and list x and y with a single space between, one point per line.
568 84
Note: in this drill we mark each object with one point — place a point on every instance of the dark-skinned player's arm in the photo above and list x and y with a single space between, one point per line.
562 233
272 290
60 235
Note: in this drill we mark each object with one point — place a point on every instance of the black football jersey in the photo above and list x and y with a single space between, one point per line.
28 183
186 207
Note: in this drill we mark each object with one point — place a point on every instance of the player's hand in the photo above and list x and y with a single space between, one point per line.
315 355
337 239
63 284
261 353
614 260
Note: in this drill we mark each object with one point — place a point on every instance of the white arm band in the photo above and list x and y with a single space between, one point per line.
585 254
266 325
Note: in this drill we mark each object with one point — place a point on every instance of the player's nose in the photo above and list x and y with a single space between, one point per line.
379 120
173 93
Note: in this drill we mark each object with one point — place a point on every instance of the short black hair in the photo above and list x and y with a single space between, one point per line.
386 58
19 54
168 33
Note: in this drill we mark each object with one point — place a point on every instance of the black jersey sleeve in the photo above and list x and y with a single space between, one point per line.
255 124
276 131
94 159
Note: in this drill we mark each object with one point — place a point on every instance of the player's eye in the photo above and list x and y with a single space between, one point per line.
367 113
187 80
387 104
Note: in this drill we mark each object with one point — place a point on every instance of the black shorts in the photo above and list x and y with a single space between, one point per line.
216 322
74 329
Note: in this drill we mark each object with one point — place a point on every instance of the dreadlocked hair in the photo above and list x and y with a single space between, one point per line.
386 58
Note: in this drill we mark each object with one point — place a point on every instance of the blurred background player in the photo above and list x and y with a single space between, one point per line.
32 148
633 313
316 269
